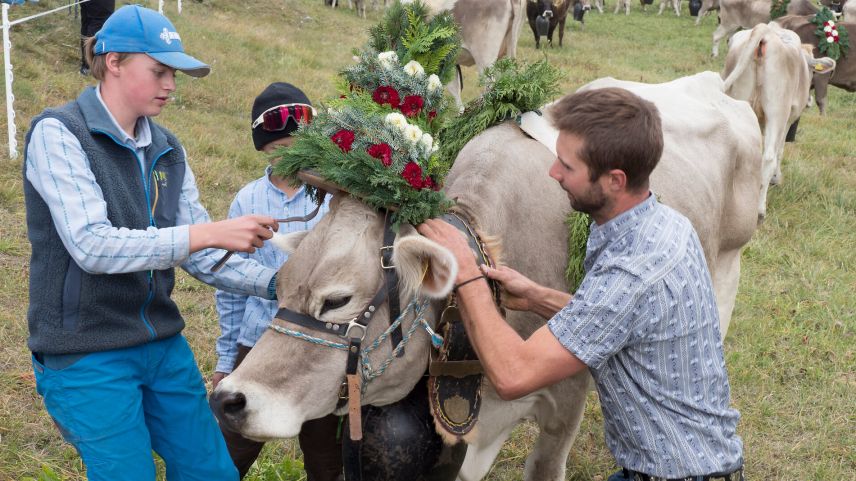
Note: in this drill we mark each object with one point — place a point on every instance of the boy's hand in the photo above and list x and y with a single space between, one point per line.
216 378
243 234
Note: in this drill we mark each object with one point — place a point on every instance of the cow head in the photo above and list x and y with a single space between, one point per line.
332 273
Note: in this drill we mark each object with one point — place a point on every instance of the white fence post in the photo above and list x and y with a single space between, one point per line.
10 98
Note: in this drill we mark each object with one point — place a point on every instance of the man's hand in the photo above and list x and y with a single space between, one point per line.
243 234
518 288
451 238
216 378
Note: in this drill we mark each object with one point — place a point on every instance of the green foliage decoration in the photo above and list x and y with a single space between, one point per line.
831 41
511 89
579 227
378 139
779 8
435 44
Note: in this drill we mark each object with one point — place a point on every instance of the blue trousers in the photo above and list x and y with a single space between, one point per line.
117 406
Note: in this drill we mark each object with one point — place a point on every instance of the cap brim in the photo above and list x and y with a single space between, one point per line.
183 62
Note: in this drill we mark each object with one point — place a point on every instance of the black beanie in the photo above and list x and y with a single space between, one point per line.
277 93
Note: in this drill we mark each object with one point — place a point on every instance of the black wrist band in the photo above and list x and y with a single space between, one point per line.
458 286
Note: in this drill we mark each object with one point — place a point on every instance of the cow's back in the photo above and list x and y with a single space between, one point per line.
710 168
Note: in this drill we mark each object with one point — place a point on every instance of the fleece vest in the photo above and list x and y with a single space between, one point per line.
73 311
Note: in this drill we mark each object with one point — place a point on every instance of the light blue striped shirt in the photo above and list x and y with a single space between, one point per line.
645 322
59 170
243 319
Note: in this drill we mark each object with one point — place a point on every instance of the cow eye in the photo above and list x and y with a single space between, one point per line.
331 304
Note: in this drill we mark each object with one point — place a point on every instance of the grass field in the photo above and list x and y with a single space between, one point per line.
791 349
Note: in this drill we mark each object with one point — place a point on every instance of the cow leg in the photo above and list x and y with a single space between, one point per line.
559 423
677 5
722 31
455 86
627 7
701 12
617 6
480 457
726 278
821 85
598 4
662 7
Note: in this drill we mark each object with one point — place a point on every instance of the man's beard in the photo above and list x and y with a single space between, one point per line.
591 202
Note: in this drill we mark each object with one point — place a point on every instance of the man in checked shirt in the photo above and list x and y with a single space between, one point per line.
644 320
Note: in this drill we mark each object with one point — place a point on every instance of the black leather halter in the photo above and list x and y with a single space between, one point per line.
355 330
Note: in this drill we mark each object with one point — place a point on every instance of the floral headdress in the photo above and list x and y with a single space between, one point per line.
378 140
832 42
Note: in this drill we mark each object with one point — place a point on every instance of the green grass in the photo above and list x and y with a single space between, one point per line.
790 350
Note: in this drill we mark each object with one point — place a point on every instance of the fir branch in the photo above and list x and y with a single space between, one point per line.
579 226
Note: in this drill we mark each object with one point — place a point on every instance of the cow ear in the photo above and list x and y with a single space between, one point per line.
821 65
424 267
288 242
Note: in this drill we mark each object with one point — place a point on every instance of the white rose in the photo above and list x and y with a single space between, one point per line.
414 68
435 147
834 32
830 40
397 120
827 28
434 83
413 133
427 141
388 59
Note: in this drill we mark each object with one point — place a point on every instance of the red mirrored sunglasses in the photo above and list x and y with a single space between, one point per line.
275 119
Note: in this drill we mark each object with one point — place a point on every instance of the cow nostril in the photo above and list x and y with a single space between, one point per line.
234 403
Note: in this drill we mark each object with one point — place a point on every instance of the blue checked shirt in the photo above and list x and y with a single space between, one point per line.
59 170
243 319
645 322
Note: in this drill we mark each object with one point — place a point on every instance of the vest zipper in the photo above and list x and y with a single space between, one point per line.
151 295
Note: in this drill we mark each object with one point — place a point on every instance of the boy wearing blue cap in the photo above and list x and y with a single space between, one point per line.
112 208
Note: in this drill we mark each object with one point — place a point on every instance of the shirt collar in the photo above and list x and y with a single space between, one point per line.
144 133
298 193
623 222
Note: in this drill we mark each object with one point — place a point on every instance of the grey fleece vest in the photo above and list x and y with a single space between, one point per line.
72 311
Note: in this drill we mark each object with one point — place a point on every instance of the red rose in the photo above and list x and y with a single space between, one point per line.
344 139
386 95
431 115
381 151
412 173
412 105
428 183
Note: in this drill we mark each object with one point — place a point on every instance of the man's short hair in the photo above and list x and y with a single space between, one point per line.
619 129
98 63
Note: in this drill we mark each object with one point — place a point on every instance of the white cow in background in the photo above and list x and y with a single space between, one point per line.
489 31
769 68
675 4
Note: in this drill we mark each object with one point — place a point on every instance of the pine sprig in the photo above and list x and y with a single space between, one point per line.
579 227
511 89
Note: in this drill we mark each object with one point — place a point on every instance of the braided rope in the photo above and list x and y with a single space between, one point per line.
308 338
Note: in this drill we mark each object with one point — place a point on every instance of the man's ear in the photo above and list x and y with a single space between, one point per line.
616 179
424 267
288 242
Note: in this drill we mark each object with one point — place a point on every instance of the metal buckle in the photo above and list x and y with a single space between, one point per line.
352 324
382 257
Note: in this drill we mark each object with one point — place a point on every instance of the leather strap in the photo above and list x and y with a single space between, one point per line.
391 280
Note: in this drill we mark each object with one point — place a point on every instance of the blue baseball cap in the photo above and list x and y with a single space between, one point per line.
134 29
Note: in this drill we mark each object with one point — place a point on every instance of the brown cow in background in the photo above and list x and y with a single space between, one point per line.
844 75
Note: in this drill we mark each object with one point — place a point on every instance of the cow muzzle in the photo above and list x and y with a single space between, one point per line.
230 409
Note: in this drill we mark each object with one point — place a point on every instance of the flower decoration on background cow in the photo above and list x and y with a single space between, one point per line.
378 140
832 42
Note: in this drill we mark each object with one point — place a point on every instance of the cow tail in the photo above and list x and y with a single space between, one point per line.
754 51
460 78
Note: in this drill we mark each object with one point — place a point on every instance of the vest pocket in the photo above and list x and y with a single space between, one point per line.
71 296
